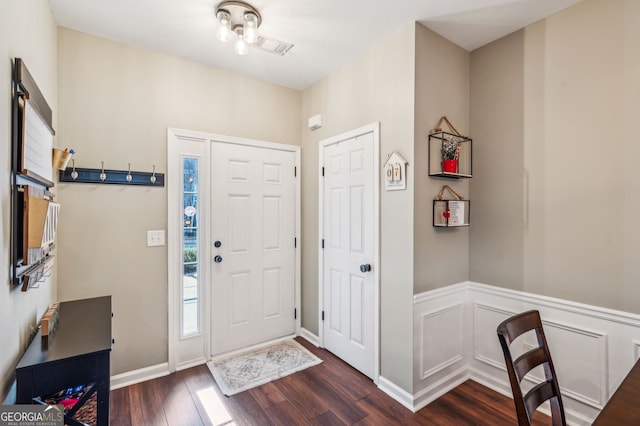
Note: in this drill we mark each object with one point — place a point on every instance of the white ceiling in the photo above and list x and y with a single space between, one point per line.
327 34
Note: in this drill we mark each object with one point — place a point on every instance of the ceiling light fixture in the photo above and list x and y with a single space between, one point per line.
224 25
241 47
239 18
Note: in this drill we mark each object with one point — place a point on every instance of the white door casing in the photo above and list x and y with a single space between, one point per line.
185 352
349 231
253 220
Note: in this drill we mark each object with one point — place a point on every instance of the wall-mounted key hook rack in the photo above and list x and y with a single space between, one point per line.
118 177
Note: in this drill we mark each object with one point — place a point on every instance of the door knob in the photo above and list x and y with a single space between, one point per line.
217 244
217 259
365 268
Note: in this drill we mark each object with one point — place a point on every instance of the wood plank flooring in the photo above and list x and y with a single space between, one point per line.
331 393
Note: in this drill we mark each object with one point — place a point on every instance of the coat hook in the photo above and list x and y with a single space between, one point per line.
129 177
153 176
74 174
103 175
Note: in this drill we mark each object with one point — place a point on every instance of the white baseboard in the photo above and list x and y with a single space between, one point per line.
310 337
194 363
141 375
490 381
436 390
396 392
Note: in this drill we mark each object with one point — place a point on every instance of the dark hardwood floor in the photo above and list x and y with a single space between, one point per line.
331 393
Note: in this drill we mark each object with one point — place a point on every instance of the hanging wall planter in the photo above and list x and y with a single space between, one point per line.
450 166
449 152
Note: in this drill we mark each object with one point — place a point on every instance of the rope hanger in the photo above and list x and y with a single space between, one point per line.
444 118
451 191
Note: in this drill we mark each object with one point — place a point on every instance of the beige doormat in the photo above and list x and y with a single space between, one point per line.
247 370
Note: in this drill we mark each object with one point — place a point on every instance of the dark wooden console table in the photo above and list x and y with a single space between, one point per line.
76 354
623 408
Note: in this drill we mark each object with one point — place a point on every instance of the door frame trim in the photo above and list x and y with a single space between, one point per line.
174 152
375 129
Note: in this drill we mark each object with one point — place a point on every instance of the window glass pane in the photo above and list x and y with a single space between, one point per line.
190 256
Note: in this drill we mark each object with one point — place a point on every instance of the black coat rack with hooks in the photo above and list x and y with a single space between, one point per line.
73 174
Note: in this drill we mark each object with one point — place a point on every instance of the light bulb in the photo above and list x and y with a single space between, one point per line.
224 25
241 47
250 27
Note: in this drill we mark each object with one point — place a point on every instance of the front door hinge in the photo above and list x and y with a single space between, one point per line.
295 242
323 243
322 315
323 171
295 171
295 313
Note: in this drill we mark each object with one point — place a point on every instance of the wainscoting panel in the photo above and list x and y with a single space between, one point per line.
485 321
581 364
579 354
441 335
440 343
455 339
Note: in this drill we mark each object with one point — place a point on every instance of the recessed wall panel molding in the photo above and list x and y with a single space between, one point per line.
579 354
580 360
485 321
440 316
441 339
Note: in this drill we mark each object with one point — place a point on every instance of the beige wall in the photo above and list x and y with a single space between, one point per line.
441 88
497 187
115 106
563 115
378 87
27 31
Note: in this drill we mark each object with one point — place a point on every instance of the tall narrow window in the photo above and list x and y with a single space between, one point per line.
190 246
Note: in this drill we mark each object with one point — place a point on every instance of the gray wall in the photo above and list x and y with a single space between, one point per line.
116 103
379 86
441 88
554 110
27 31
497 188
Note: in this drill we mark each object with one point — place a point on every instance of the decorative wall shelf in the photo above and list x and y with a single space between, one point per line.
457 168
450 213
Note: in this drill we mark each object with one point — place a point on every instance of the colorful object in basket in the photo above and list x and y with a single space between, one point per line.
68 397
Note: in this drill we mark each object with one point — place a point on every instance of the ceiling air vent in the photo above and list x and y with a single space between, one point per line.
272 45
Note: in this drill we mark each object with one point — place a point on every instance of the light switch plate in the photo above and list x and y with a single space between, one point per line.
155 238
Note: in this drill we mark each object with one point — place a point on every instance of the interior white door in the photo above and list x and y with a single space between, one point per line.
253 231
348 279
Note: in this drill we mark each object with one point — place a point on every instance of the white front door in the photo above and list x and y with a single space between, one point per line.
253 252
349 254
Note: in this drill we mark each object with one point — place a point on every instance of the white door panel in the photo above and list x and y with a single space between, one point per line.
253 217
348 226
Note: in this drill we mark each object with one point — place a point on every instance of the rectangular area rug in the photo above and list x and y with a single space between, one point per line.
247 370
